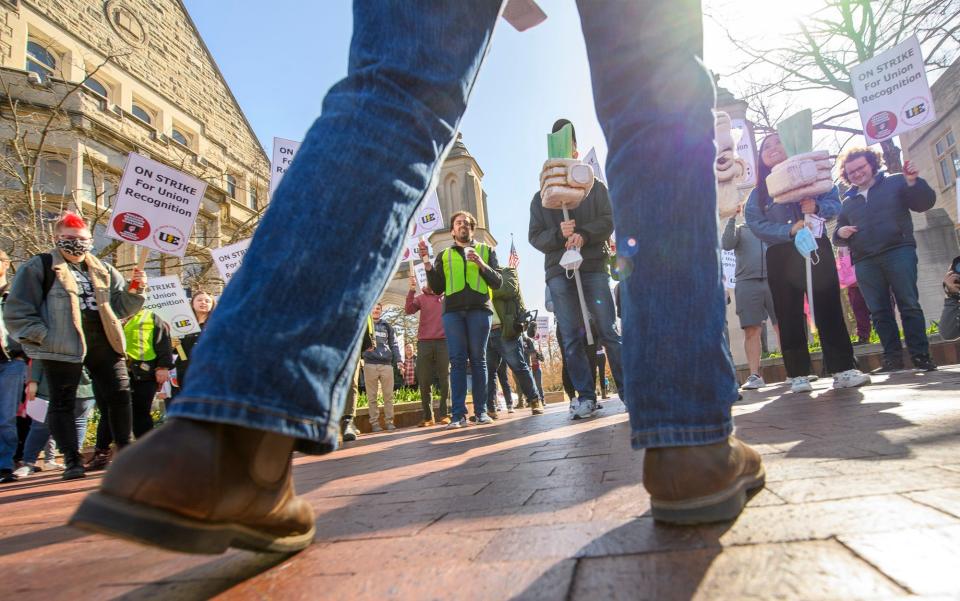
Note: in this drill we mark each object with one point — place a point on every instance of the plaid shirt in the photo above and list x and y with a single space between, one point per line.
410 371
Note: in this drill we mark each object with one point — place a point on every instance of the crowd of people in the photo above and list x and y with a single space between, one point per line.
237 422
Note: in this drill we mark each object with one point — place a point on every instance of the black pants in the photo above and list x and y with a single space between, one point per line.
601 373
788 284
111 383
142 394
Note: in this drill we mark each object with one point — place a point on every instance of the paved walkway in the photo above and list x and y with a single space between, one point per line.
862 502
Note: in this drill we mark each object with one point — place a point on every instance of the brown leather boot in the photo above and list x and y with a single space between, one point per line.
701 484
201 487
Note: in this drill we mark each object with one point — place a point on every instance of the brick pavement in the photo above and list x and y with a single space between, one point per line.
862 502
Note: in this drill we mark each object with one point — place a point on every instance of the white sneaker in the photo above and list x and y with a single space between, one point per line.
800 384
457 423
25 470
484 419
850 379
583 408
753 383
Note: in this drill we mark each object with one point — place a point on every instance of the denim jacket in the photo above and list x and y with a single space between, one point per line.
773 226
52 328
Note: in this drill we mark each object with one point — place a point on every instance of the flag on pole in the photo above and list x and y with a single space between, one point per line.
514 260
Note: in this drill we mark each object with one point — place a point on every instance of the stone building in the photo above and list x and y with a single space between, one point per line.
117 77
460 188
935 151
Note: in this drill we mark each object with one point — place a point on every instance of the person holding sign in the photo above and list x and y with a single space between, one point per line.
203 305
378 362
778 224
364 167
65 309
466 272
875 223
433 361
589 227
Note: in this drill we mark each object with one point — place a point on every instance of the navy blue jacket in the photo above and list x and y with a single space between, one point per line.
882 218
773 225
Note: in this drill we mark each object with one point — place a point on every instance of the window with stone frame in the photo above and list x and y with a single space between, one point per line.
253 197
51 176
99 186
41 59
231 186
141 112
97 86
202 231
948 159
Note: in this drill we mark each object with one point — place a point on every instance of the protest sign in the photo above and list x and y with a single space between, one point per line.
156 206
228 258
892 92
283 153
166 298
543 325
729 263
745 150
421 273
428 217
592 160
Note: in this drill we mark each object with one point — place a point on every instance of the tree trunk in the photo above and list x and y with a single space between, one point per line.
891 156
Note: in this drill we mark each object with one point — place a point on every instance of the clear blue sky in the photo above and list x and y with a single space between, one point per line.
280 61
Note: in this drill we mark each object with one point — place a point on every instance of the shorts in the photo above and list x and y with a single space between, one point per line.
754 302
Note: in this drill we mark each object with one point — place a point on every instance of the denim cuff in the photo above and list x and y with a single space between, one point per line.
680 437
314 437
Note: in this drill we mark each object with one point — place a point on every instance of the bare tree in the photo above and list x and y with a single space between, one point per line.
818 55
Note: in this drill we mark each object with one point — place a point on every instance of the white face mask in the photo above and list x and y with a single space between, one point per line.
571 261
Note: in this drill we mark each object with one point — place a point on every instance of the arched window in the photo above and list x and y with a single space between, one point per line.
231 186
40 60
254 198
450 195
96 86
141 113
179 137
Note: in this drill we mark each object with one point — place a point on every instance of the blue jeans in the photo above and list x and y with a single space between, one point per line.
566 303
894 270
385 130
13 376
467 333
511 353
39 434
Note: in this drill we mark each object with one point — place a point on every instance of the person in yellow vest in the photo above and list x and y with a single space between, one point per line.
466 272
149 360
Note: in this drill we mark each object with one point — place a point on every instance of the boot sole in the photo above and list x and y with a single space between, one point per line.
147 525
719 507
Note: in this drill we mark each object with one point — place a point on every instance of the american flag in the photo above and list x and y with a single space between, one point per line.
514 260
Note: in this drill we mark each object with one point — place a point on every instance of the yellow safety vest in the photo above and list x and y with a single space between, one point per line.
139 334
460 273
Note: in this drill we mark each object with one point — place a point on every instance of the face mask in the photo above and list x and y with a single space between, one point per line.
75 247
806 244
571 261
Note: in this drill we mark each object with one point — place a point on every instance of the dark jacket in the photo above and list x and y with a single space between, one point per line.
385 350
773 224
186 345
950 319
594 219
507 302
467 299
883 218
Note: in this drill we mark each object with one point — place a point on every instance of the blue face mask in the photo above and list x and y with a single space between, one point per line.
806 244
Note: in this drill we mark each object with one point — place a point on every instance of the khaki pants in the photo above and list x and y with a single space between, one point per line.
374 377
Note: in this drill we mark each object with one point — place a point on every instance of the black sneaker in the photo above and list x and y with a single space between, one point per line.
889 365
348 429
74 471
7 476
923 363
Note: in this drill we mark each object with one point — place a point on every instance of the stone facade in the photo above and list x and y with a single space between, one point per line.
152 87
